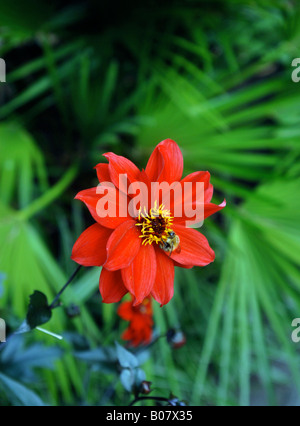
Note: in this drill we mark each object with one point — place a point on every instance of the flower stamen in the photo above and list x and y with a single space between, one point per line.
156 224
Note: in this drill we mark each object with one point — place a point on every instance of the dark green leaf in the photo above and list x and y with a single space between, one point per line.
38 311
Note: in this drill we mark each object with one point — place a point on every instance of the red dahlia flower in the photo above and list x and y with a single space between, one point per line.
138 252
140 321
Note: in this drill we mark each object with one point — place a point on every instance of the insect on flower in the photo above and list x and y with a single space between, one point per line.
141 238
172 243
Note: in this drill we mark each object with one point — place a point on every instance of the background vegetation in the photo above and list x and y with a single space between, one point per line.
214 76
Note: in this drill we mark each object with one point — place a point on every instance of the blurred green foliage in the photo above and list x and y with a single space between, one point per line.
214 76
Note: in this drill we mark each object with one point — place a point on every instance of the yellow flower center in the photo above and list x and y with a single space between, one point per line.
156 224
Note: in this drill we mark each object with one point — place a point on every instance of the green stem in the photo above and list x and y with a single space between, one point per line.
54 303
48 198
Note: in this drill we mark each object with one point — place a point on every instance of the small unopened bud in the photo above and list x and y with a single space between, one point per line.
73 311
176 338
145 387
174 401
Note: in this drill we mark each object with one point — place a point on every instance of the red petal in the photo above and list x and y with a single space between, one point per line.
125 311
165 163
129 334
198 177
163 288
183 266
188 194
155 165
210 208
111 286
122 246
195 249
91 199
141 189
90 248
208 193
103 172
119 165
140 275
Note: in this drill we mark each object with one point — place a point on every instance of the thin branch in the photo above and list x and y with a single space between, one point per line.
54 303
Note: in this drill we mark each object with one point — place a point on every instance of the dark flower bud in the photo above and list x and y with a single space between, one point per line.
145 387
176 338
73 311
175 402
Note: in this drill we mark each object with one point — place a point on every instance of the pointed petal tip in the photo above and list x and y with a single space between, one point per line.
112 155
165 162
81 195
73 257
137 302
162 304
